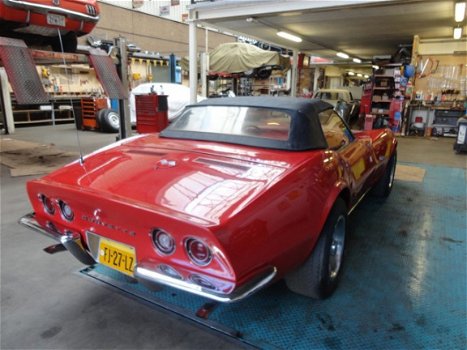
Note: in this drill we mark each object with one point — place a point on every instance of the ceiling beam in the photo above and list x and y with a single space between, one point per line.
241 34
226 9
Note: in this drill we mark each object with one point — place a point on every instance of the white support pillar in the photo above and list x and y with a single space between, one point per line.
206 70
7 110
315 80
204 80
293 87
193 60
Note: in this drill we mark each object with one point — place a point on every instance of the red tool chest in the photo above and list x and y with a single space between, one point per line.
151 113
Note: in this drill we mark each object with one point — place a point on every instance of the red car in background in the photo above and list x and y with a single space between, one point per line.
38 22
234 194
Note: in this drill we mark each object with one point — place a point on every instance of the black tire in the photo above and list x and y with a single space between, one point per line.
78 118
109 120
70 43
384 185
264 73
319 275
353 115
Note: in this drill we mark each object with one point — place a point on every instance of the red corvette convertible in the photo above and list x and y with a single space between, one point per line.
38 21
235 194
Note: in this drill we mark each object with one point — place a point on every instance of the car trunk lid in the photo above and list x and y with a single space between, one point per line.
198 180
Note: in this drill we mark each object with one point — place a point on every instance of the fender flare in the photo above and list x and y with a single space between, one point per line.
340 189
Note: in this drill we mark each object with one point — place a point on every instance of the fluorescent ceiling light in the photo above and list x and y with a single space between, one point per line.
459 11
366 76
289 36
457 33
342 55
350 73
357 60
375 66
359 75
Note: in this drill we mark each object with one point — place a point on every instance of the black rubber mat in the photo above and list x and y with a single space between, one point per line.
403 287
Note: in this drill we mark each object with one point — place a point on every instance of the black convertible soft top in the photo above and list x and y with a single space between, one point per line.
305 130
281 102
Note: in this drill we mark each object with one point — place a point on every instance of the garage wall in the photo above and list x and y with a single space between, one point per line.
151 33
81 79
176 10
443 72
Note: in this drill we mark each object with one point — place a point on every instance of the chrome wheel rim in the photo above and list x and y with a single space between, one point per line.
114 120
336 250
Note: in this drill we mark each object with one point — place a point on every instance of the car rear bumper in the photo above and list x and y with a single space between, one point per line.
70 240
44 9
148 271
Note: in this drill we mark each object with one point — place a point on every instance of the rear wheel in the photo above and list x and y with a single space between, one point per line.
109 120
384 185
264 73
318 276
78 118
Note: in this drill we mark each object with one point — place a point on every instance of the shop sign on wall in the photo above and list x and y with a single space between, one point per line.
137 3
164 10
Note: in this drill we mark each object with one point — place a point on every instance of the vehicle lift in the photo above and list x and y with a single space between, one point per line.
20 65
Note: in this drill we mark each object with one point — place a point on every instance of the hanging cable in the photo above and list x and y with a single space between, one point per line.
81 159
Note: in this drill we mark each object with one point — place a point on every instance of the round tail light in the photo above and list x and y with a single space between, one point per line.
198 252
47 204
66 210
164 242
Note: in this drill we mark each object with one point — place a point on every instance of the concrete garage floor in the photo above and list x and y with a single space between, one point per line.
45 304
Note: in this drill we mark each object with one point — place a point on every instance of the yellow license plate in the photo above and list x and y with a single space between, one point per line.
118 256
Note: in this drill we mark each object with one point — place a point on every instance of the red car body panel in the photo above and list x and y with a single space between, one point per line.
80 16
247 203
259 206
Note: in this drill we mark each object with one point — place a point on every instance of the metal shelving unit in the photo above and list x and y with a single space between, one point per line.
386 92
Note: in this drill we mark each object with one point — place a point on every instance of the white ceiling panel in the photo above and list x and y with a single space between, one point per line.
360 28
